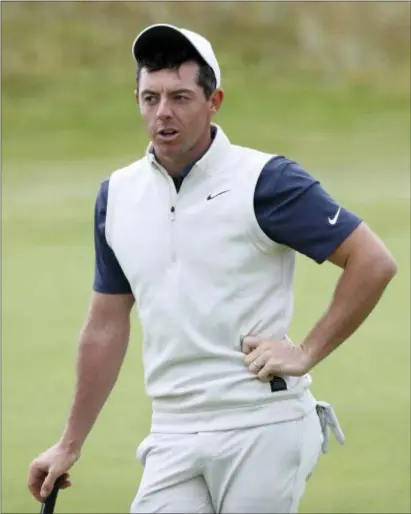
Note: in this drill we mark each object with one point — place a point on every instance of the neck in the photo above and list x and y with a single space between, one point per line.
175 164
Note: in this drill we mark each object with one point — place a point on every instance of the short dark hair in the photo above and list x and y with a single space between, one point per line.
171 56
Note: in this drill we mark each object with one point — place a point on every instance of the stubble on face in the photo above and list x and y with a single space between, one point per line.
177 115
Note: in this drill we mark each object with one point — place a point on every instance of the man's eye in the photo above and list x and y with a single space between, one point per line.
149 99
181 98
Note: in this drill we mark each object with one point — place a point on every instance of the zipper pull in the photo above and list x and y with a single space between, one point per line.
173 210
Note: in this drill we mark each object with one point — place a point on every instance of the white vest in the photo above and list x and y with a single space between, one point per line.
203 273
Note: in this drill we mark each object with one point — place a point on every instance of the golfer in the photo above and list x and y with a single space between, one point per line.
201 235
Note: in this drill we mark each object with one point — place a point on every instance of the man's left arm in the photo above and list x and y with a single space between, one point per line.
294 210
368 267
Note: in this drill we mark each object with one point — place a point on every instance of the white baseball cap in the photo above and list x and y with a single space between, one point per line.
145 42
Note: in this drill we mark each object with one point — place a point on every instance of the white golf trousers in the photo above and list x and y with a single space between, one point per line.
255 470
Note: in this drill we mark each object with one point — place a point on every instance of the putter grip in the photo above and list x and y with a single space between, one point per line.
49 503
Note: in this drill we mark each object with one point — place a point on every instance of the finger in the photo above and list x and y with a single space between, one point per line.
266 373
65 481
271 369
257 364
37 495
66 484
248 347
250 343
35 490
48 485
35 481
262 356
252 356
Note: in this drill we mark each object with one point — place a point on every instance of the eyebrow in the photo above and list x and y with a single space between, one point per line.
172 92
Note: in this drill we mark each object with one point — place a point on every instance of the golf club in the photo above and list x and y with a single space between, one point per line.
49 503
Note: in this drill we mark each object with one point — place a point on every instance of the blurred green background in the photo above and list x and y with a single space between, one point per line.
326 84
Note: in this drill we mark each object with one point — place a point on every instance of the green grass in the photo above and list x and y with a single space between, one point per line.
47 270
66 124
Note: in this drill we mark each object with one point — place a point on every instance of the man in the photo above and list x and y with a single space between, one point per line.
203 235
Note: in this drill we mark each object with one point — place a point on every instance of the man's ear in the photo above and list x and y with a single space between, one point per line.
216 100
136 96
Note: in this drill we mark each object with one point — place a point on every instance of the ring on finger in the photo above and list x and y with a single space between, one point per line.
255 364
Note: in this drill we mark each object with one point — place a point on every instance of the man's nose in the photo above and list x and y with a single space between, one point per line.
164 109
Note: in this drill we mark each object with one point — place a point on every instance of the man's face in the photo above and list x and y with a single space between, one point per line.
175 110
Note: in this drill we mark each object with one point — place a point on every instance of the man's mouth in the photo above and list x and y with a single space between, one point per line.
167 134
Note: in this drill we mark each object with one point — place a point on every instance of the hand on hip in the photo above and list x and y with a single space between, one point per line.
268 358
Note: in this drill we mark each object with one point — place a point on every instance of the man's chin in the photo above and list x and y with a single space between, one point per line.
168 149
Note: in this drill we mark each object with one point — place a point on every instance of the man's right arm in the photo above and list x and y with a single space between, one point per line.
104 338
102 347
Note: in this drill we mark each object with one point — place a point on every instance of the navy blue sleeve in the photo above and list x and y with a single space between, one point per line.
108 275
293 209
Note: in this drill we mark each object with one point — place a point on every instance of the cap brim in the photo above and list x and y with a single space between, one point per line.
153 39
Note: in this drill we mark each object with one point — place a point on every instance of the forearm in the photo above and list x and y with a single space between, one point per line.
100 356
358 291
